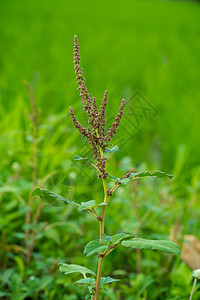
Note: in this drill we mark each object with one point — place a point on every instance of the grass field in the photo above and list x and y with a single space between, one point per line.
145 51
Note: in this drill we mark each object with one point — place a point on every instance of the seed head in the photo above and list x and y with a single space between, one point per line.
79 76
112 131
95 131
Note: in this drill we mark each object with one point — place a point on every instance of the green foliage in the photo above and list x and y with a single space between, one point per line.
91 284
119 237
110 150
106 240
51 198
116 239
143 174
181 282
91 281
161 245
94 247
105 280
157 174
70 268
88 296
87 280
89 205
76 157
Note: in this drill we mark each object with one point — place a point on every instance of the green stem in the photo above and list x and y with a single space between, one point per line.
98 279
195 281
104 209
100 262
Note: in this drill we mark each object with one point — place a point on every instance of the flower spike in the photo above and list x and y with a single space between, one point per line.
95 132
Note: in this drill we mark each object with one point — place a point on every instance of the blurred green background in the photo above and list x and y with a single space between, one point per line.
131 48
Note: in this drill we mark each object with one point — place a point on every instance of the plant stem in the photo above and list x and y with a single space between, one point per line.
100 262
98 279
195 281
104 209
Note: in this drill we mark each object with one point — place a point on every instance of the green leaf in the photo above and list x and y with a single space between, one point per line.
68 269
94 247
90 287
6 276
106 239
91 282
100 204
86 205
87 280
76 157
89 205
119 180
124 181
51 198
161 245
113 177
143 174
114 149
119 237
88 296
158 174
105 280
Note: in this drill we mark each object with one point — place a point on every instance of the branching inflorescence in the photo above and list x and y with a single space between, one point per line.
95 131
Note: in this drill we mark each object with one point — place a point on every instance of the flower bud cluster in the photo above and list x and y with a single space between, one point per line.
112 131
83 131
127 175
79 76
109 192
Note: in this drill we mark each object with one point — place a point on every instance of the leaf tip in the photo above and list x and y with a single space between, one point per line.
35 192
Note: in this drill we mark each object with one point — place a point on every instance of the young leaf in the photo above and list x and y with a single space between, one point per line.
76 157
114 149
119 237
119 180
100 204
51 198
158 174
94 247
88 296
108 279
89 205
106 239
68 269
161 245
87 280
90 287
91 282
113 177
86 205
124 181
